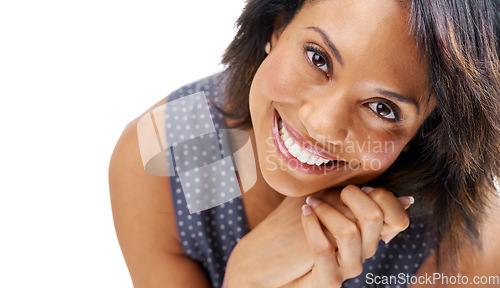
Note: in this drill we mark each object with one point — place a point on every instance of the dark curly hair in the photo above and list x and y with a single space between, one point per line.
455 156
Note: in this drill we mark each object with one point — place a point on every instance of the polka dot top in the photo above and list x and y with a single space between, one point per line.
209 210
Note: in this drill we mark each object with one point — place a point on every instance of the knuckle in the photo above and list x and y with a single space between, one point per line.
324 249
349 232
379 195
401 221
373 216
405 222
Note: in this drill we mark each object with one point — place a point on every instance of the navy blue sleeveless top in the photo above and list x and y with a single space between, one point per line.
209 235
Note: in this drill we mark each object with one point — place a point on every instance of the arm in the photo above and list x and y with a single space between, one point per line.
145 221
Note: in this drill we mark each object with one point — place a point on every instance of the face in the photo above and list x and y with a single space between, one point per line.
338 97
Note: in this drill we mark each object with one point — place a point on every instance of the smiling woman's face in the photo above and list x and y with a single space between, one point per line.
345 81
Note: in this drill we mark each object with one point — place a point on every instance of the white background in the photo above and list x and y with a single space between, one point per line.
72 75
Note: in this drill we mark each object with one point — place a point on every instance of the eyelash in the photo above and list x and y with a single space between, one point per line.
394 108
314 49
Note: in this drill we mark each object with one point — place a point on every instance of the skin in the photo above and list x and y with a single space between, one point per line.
331 109
326 108
381 57
291 83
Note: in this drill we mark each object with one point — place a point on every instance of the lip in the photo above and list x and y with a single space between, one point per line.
293 162
298 138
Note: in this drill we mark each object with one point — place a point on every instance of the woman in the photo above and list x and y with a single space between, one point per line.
323 81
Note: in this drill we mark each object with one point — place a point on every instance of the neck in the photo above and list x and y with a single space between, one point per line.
261 199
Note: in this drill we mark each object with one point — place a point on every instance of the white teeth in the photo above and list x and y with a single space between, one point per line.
294 150
297 151
312 160
284 133
321 161
303 156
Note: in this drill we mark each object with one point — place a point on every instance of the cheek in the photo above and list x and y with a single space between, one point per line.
379 161
278 78
378 155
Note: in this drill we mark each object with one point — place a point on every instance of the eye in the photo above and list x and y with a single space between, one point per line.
385 110
318 58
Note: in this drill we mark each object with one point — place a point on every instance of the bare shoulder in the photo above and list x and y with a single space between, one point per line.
490 231
477 265
483 265
145 220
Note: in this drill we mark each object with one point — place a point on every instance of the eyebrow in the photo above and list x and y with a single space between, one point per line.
337 55
399 97
328 42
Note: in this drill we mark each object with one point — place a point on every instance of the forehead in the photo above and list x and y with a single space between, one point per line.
373 38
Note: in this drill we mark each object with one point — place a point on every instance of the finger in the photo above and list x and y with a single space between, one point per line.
326 267
407 201
395 216
388 237
332 197
346 234
319 243
369 216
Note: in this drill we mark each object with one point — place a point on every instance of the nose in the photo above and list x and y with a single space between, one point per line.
327 119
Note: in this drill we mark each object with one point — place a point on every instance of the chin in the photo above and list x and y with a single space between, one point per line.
287 187
285 181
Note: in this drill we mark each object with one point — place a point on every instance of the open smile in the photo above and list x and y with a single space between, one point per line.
298 153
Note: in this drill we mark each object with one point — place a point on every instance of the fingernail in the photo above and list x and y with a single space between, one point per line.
388 238
367 189
306 210
313 201
406 200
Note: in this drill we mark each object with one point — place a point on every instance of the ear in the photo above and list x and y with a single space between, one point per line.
275 38
278 28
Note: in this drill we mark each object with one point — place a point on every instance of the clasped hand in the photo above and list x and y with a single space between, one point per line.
320 247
